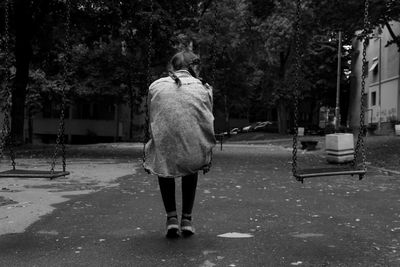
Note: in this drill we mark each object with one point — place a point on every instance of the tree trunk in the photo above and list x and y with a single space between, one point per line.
312 115
281 107
131 111
117 119
395 38
23 53
30 126
282 117
315 115
226 109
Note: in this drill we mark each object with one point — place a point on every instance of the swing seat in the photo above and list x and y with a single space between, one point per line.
32 174
301 174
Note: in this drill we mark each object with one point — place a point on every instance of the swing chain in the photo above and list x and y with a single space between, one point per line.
61 129
214 48
361 133
146 127
7 139
5 126
296 86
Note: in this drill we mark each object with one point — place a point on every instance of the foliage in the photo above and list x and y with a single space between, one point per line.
40 89
246 45
225 40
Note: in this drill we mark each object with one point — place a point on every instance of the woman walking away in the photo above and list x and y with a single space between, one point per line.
182 136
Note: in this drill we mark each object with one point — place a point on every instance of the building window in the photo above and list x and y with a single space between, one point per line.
84 111
373 99
52 110
103 111
93 111
374 69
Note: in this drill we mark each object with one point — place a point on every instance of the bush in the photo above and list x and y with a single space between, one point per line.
329 129
345 129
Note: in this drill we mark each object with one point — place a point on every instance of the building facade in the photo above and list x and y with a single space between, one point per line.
85 122
382 87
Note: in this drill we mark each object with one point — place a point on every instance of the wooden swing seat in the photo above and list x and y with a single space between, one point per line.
32 174
317 172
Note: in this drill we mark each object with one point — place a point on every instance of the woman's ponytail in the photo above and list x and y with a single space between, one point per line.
175 78
183 60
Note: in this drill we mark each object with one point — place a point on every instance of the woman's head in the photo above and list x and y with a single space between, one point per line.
185 60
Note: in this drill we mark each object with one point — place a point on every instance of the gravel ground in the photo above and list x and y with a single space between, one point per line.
108 212
381 151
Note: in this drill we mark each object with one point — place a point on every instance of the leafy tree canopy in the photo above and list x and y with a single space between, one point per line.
246 47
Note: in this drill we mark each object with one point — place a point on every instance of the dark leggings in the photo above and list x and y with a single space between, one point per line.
167 188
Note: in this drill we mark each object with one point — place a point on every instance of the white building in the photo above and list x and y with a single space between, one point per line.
382 91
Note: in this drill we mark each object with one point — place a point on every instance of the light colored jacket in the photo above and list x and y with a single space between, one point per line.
181 126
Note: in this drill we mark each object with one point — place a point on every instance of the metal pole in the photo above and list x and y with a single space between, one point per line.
380 82
337 109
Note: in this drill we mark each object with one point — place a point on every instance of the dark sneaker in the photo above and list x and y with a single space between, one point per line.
172 227
187 228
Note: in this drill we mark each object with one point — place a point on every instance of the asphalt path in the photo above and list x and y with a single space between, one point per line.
331 221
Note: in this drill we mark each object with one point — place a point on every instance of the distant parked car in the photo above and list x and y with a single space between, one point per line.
261 126
235 131
314 130
246 128
223 134
250 128
267 126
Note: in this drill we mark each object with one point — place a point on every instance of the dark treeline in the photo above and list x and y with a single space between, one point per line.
246 48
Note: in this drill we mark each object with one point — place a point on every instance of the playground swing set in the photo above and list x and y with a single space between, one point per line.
7 139
356 167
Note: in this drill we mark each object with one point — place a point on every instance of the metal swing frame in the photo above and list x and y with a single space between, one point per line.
7 138
354 168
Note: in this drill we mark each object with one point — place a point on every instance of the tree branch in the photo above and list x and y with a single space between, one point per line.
396 39
205 7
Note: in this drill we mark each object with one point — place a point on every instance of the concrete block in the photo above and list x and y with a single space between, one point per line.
397 129
339 147
300 131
